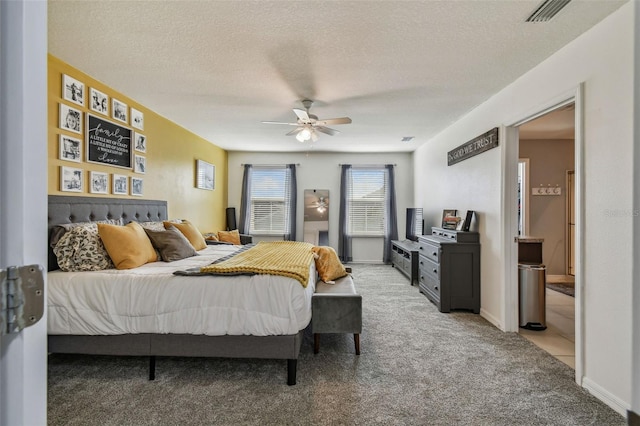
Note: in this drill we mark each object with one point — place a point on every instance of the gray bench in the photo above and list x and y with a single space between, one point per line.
336 308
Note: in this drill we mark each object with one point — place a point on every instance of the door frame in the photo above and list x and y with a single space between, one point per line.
510 222
23 195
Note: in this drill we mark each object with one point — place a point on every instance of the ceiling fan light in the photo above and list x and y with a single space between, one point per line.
304 135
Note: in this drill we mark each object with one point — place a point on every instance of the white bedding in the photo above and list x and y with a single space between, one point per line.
150 299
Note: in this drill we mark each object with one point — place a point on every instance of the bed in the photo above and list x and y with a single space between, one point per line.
136 333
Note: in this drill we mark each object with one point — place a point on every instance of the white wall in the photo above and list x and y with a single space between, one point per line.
602 58
320 170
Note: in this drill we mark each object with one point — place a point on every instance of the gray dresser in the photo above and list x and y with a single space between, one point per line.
449 269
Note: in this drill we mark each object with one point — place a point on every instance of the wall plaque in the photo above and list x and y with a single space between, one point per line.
108 143
475 146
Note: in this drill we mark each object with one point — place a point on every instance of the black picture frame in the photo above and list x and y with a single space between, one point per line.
108 143
467 221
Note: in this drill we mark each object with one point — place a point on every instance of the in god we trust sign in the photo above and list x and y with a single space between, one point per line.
475 146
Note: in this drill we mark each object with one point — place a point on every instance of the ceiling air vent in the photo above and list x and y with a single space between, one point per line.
547 10
407 138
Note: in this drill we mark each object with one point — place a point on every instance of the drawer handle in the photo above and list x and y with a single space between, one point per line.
435 254
435 271
435 287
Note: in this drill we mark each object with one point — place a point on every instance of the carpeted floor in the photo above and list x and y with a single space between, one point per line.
418 367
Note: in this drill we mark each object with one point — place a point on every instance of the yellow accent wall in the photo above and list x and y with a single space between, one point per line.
171 155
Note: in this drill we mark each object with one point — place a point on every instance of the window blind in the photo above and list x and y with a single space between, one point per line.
270 200
366 201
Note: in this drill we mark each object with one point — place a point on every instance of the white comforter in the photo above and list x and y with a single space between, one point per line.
150 299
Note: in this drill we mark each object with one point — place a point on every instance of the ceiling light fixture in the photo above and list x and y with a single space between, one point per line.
304 134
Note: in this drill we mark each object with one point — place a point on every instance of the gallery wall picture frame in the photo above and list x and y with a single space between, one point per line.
137 119
466 226
108 143
98 101
136 186
70 119
140 142
98 182
72 90
119 110
205 175
140 164
70 149
120 184
70 179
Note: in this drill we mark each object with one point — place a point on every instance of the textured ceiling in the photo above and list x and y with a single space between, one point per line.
396 68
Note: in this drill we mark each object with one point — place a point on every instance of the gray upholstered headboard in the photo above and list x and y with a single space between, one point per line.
68 209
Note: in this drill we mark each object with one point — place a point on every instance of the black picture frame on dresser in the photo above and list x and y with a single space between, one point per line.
449 269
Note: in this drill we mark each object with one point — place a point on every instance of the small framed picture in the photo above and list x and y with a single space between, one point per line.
72 90
137 119
70 179
205 175
119 110
70 149
466 226
136 186
98 101
98 183
120 186
447 213
140 142
70 119
140 164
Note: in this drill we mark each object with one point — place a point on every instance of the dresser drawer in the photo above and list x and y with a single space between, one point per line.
428 267
430 251
430 284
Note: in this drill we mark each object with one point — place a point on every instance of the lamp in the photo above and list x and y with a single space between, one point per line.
304 134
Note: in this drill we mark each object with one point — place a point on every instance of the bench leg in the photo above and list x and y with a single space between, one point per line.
316 343
292 367
356 340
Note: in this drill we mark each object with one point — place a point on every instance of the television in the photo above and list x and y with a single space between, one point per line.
414 223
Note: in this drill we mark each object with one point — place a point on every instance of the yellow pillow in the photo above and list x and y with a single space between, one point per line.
232 237
128 246
191 232
328 264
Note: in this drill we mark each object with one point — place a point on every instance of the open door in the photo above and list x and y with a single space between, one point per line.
23 197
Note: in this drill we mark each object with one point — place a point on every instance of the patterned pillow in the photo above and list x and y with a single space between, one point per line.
81 249
157 226
328 264
59 230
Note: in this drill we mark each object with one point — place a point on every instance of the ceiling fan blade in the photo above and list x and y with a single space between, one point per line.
330 121
302 114
295 131
279 122
327 130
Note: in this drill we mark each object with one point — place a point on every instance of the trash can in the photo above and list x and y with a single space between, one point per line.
531 291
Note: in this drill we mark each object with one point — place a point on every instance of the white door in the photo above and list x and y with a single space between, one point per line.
23 197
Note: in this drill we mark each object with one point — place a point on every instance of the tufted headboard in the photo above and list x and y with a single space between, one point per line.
68 209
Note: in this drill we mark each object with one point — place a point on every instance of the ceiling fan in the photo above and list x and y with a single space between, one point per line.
307 125
320 204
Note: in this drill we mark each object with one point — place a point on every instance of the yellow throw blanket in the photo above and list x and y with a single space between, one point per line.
286 258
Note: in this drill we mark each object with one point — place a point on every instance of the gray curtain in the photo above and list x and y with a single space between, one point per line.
391 224
344 240
244 222
293 202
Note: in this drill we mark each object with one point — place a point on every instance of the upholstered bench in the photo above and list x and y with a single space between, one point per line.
336 308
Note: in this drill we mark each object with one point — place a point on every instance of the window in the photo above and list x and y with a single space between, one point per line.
270 200
366 201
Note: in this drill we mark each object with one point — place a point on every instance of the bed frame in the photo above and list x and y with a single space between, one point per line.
70 209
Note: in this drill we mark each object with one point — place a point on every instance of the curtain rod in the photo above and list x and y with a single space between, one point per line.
366 165
271 165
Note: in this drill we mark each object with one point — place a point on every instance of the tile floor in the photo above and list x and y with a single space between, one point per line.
559 337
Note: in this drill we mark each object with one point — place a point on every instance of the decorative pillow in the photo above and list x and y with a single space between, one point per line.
171 244
232 237
128 246
80 249
328 264
157 226
59 230
211 236
191 232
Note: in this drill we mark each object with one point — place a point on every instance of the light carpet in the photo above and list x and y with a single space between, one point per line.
418 367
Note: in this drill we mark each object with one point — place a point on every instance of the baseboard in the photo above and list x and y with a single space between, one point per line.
493 320
633 419
605 396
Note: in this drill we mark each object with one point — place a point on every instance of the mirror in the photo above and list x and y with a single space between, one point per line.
316 217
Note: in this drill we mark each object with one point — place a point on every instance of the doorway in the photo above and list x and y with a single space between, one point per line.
548 144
